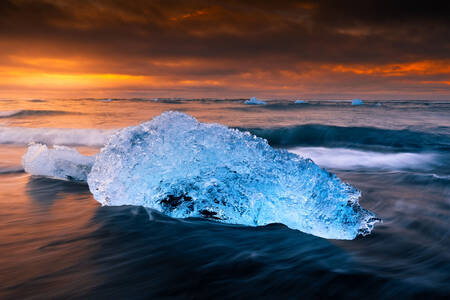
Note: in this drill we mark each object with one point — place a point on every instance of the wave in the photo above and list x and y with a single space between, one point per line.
309 135
437 176
54 136
360 137
11 169
9 113
348 159
25 112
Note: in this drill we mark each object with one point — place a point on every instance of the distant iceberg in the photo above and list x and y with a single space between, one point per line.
254 101
357 102
184 168
300 102
60 162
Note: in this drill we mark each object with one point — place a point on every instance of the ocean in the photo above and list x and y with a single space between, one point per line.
58 242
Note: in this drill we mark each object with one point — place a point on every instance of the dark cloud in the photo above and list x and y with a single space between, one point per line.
317 30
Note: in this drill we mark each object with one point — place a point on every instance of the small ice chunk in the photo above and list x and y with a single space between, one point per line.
357 102
254 101
60 162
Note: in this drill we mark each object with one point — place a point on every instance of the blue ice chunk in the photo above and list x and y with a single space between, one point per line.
184 168
254 101
357 102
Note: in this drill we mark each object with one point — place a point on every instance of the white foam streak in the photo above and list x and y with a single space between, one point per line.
348 159
54 136
9 113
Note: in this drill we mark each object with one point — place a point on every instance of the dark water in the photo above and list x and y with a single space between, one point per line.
57 242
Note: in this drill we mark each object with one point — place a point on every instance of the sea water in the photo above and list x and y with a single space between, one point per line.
57 241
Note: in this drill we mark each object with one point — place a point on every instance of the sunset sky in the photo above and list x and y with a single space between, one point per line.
224 49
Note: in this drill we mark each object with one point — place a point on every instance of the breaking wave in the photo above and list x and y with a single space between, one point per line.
22 112
348 159
282 137
335 136
54 136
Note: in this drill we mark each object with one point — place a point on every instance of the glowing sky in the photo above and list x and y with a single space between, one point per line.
224 49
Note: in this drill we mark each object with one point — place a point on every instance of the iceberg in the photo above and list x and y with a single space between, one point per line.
184 168
60 162
300 102
254 101
357 102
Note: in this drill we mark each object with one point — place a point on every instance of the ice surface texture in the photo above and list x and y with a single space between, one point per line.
60 162
254 101
185 168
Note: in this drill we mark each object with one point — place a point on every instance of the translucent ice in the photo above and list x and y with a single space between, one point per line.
185 168
60 162
300 102
254 101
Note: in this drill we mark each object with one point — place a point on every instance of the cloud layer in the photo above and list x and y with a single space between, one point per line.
312 49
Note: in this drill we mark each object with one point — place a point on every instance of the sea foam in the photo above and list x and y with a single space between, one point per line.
348 159
54 136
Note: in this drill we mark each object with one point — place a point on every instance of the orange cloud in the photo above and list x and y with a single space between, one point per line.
39 76
190 15
427 67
